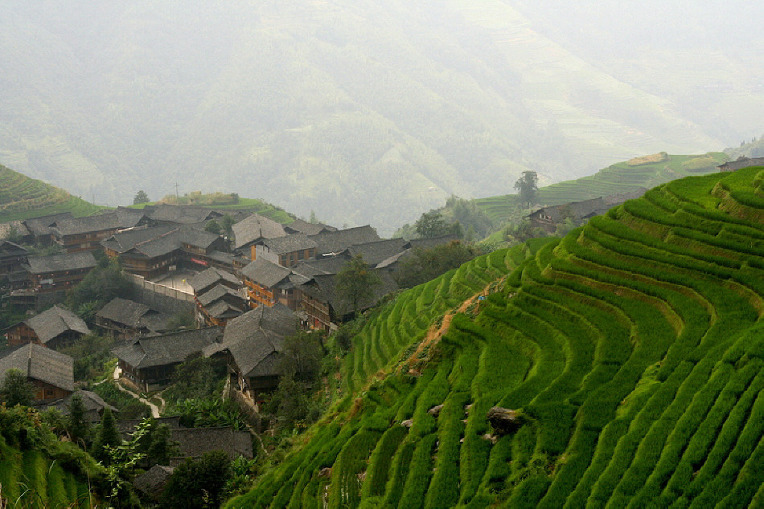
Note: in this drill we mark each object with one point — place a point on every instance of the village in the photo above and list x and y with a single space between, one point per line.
248 288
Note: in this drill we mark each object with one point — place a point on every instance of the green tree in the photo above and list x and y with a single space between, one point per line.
140 197
161 448
213 226
97 288
16 389
431 224
77 425
427 264
301 357
356 283
108 436
527 187
226 223
198 484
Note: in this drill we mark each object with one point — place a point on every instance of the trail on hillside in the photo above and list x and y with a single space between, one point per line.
436 332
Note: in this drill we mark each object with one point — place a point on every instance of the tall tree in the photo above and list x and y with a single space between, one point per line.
431 224
108 435
356 283
16 389
78 426
140 197
198 483
527 187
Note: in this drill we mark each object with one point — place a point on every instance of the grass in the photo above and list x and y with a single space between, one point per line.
634 346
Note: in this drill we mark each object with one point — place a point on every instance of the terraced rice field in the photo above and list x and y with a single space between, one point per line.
634 347
615 179
22 197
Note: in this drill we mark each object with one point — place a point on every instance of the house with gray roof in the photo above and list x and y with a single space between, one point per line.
41 227
182 214
93 403
86 233
152 482
267 283
50 372
326 308
154 251
55 328
219 304
300 226
123 318
194 442
207 279
334 242
149 361
286 251
253 229
740 163
377 251
58 272
253 343
13 257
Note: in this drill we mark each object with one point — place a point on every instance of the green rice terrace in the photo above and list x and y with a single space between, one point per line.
631 353
22 197
647 172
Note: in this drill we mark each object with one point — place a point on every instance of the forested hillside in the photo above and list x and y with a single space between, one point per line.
363 111
631 351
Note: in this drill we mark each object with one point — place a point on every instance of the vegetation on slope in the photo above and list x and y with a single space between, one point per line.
22 197
634 348
624 177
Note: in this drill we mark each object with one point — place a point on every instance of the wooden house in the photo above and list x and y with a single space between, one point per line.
149 361
41 228
123 318
194 442
50 372
285 251
218 296
332 243
268 284
300 226
58 272
93 403
253 343
54 328
740 163
86 233
12 260
254 229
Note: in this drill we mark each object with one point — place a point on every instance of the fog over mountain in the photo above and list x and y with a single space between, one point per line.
366 111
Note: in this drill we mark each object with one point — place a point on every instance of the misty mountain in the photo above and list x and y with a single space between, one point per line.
368 111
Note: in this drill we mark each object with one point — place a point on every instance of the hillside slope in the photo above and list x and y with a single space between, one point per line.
363 111
618 178
633 347
22 197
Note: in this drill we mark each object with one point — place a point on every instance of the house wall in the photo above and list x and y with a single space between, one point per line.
318 313
58 281
21 334
46 392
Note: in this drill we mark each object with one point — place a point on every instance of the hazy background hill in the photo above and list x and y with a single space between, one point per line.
365 111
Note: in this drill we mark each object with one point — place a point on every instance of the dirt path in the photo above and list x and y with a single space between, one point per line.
154 409
436 332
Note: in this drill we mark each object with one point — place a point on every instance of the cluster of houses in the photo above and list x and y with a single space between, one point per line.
249 292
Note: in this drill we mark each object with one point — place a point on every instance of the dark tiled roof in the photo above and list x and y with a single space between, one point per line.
39 363
168 241
290 243
167 348
92 402
217 293
55 321
197 238
40 226
8 248
61 262
125 241
300 226
741 162
432 242
330 265
153 481
212 276
222 309
100 222
182 214
322 287
254 228
266 273
337 241
376 252
193 442
254 336
134 315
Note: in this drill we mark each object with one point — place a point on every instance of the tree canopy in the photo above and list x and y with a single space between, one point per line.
140 197
16 389
527 187
356 283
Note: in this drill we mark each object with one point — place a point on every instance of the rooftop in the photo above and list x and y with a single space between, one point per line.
39 363
55 321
